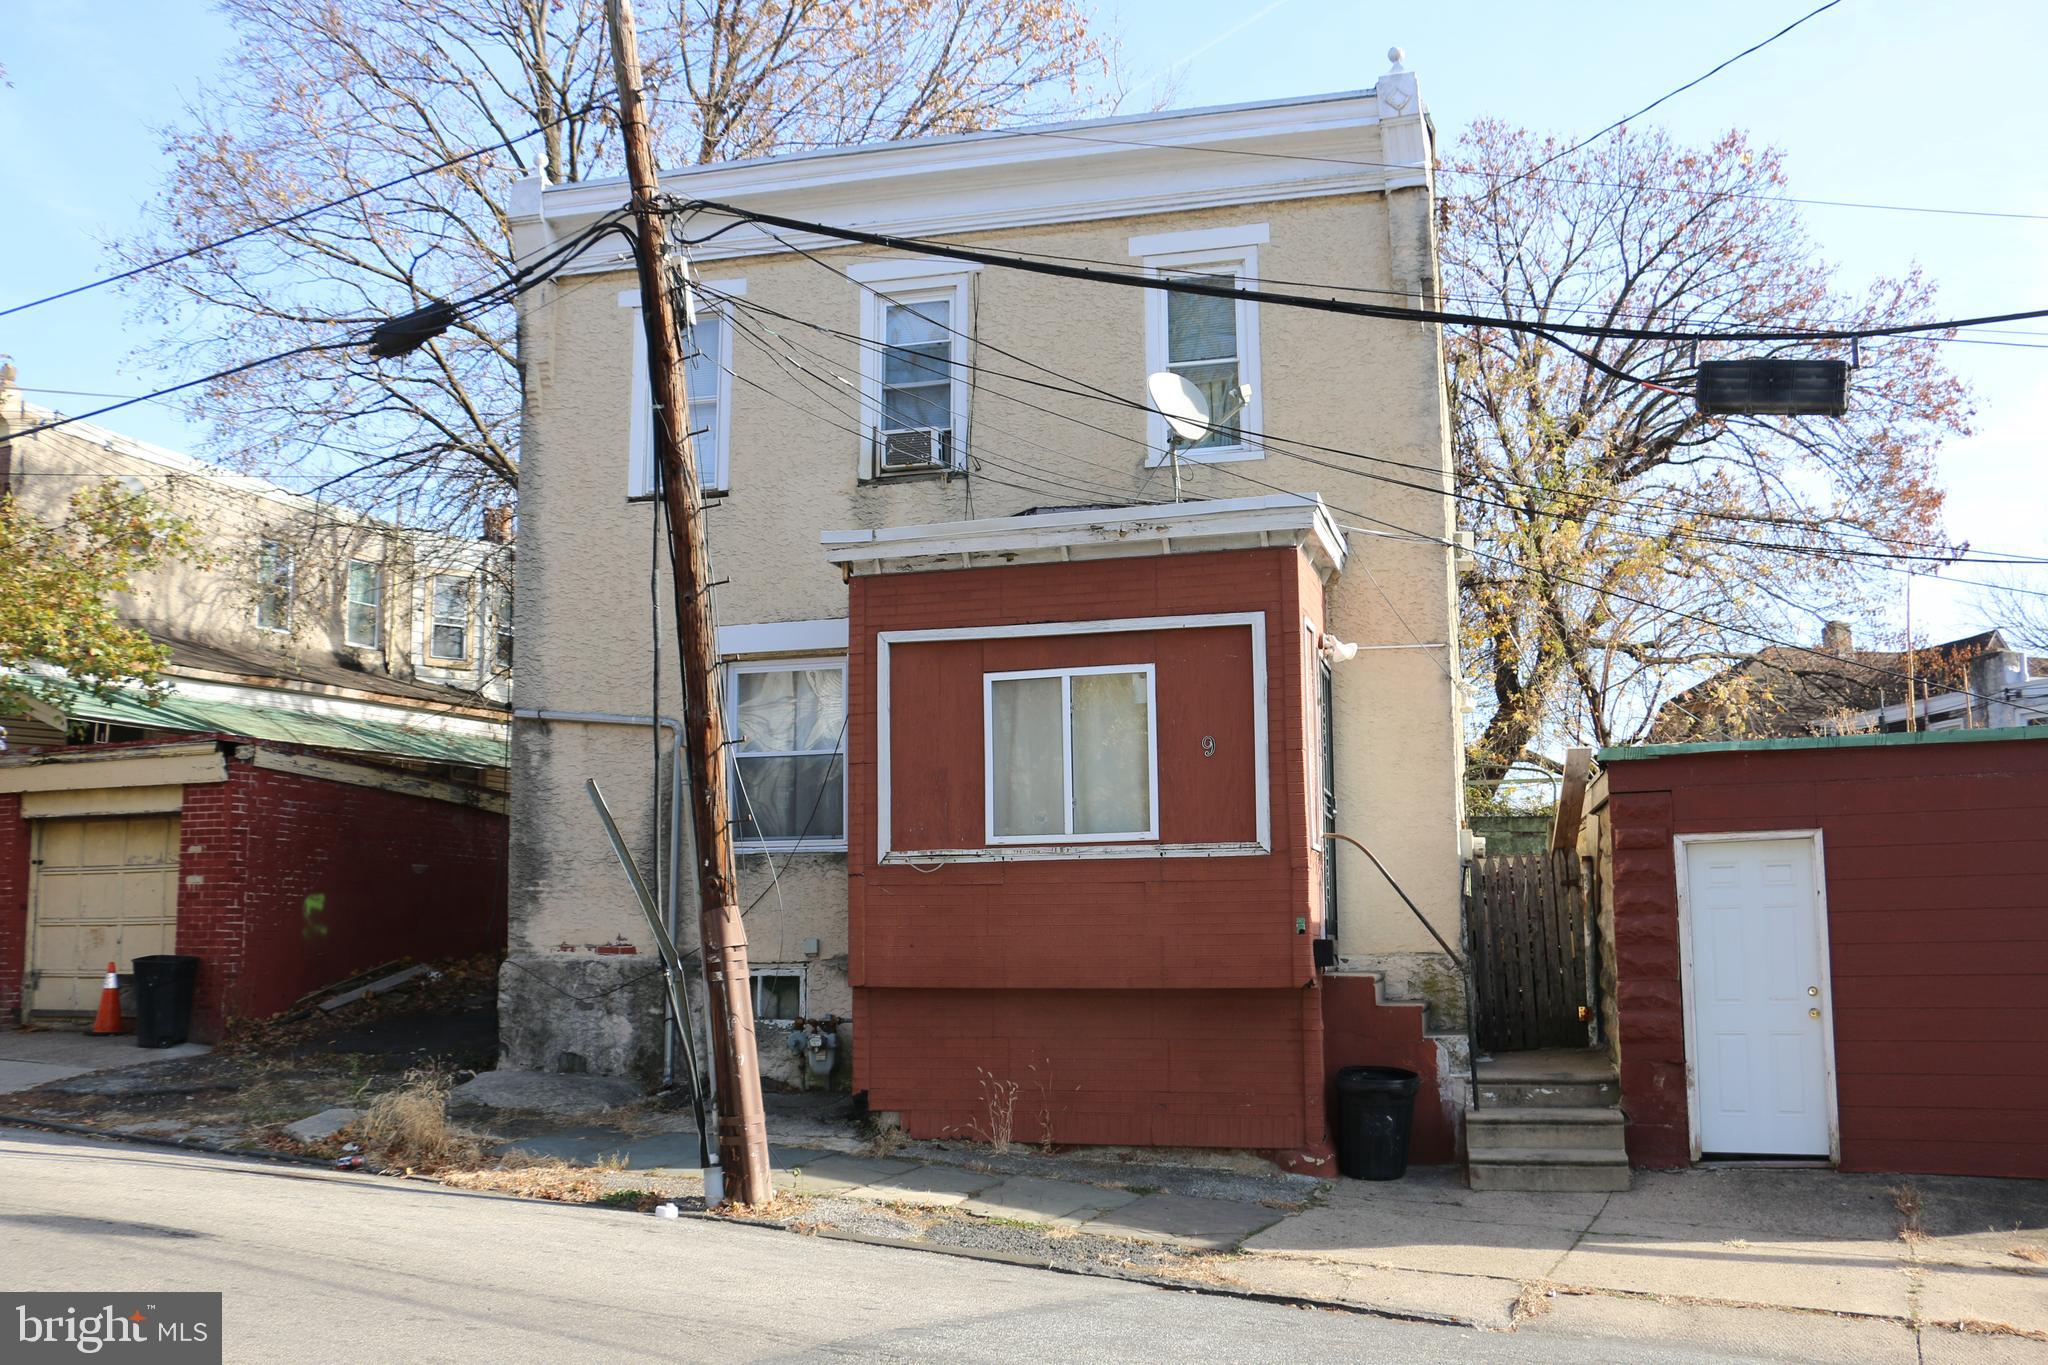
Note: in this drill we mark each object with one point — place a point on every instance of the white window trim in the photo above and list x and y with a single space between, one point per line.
349 603
469 613
911 282
1242 262
290 561
814 843
820 635
1150 834
803 993
1261 781
1200 240
640 412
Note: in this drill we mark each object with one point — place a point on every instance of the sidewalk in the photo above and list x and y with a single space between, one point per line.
32 1057
1797 1264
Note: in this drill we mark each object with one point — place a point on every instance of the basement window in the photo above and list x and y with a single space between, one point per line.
1071 755
778 994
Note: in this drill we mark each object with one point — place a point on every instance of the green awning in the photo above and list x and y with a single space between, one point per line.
251 721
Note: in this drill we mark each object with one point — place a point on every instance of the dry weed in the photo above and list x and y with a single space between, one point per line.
1533 1301
1906 1199
537 1179
2029 1253
408 1127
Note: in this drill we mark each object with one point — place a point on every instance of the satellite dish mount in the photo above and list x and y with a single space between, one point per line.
1188 422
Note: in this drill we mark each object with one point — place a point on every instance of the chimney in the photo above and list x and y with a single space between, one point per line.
498 526
1836 639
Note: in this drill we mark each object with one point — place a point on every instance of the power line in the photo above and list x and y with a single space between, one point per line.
1673 94
1384 312
289 218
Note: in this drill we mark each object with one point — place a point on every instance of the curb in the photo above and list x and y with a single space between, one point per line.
172 1144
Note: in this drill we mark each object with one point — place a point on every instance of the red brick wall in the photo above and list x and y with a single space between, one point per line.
1937 894
14 847
306 881
1360 1031
1175 992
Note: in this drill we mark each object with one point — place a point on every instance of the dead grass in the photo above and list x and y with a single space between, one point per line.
531 1178
408 1128
2029 1253
1533 1301
1906 1199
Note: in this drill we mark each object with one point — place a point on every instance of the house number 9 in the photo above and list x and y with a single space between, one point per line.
1208 746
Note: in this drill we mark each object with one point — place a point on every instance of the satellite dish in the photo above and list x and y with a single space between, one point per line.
1181 404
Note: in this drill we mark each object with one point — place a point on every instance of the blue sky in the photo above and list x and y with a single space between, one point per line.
1892 101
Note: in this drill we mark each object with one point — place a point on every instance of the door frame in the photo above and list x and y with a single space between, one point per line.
1814 840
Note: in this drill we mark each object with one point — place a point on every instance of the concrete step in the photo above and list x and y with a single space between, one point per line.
1558 1093
1547 1169
1552 1128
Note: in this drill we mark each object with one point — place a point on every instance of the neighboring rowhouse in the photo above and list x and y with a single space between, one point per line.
840 388
1832 949
317 783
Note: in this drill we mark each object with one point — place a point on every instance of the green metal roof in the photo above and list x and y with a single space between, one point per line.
1735 746
294 727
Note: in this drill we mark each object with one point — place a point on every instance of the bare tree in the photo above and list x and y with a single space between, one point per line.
1627 543
2015 604
327 97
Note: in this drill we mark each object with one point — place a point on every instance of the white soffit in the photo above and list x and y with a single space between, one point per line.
1058 173
1106 533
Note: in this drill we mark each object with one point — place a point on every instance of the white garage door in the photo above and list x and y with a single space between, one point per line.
1758 996
104 890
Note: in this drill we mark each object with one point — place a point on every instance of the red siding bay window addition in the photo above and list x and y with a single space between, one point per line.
1080 892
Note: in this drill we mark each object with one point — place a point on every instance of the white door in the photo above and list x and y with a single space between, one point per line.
1758 996
103 890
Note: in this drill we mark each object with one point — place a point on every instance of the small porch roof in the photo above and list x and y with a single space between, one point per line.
1280 519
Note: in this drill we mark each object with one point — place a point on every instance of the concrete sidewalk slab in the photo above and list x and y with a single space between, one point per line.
1774 1273
1034 1199
543 1092
323 1125
1180 1221
1969 1348
1485 1303
934 1187
1412 1236
37 1056
1739 1332
1974 1293
833 1173
1764 1203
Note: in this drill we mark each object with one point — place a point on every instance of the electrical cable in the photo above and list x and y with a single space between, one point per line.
275 223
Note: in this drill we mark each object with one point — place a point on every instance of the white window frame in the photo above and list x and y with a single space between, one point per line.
640 413
469 613
290 563
803 994
1150 834
911 282
1262 840
813 843
349 604
1218 251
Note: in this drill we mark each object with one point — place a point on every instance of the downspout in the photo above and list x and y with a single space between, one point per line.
675 844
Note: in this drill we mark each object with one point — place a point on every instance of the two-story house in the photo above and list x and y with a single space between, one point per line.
316 783
972 449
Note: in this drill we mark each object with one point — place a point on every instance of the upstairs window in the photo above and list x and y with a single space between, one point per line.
1071 755
501 621
274 573
364 626
707 377
1212 342
448 631
789 772
916 321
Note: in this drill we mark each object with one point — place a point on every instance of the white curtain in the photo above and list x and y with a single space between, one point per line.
1112 754
1030 785
790 775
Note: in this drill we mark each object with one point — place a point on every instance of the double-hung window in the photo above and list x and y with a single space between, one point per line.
501 621
448 627
707 377
1071 755
916 330
1210 341
364 626
788 724
274 572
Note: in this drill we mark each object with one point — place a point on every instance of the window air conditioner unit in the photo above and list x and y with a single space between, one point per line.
914 448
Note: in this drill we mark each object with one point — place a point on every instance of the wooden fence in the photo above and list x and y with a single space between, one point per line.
1528 917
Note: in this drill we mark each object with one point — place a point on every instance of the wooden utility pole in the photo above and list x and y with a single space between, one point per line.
742 1128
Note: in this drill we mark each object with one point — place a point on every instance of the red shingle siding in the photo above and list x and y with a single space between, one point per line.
1937 895
14 852
1169 1000
1360 1031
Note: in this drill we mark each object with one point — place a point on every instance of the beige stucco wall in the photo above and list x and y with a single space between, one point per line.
1365 386
214 602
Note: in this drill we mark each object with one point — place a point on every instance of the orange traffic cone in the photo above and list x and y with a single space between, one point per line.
109 1020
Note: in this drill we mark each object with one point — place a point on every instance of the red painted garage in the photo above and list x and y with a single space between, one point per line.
1083 890
1831 948
280 868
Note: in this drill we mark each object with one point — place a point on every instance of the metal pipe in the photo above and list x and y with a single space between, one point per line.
675 847
1448 950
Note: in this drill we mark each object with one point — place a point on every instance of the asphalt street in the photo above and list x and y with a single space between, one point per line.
321 1266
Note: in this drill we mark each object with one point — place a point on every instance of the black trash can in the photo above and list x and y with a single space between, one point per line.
163 998
1375 1114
